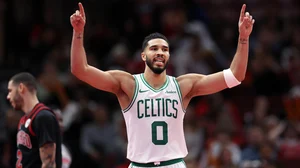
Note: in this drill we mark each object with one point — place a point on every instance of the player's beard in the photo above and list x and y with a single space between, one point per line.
19 101
156 70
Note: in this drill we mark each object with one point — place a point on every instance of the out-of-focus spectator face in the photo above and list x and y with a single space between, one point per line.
294 60
49 36
271 122
50 68
266 151
261 108
225 156
100 114
223 137
255 136
119 54
173 21
266 37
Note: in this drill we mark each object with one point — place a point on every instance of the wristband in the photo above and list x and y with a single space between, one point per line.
230 79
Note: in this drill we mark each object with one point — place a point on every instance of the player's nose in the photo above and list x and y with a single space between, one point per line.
160 53
8 97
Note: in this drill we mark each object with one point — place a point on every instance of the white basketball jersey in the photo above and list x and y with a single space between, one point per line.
154 121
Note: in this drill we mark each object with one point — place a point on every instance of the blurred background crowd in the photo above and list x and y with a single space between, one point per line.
254 125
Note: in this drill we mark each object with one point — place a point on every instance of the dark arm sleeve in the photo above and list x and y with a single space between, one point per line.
46 128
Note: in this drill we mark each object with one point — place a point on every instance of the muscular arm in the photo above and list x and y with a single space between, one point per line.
239 63
118 82
107 81
47 154
99 79
196 84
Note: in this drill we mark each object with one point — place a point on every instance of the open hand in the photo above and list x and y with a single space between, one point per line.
78 19
245 23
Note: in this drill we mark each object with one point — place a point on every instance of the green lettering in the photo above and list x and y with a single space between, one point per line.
175 109
140 115
158 106
147 107
167 110
152 109
163 107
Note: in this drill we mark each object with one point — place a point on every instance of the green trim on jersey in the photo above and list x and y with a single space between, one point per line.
135 95
179 93
183 162
150 87
163 163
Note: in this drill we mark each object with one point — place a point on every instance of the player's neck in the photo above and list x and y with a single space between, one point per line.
29 103
155 80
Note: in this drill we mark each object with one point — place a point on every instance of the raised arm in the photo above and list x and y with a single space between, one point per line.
239 63
196 84
103 80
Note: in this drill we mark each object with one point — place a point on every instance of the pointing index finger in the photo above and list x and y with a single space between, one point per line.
242 14
81 9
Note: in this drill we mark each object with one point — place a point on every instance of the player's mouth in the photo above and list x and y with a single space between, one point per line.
159 61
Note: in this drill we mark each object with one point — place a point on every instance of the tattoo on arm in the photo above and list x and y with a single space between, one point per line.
47 154
243 40
79 36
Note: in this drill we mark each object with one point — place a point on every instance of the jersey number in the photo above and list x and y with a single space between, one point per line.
164 139
19 156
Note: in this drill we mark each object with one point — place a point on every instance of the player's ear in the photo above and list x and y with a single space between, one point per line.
21 88
143 55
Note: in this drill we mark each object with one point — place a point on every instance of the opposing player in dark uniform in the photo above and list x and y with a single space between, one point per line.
38 138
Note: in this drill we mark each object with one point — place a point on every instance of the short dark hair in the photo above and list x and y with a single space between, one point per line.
27 79
153 36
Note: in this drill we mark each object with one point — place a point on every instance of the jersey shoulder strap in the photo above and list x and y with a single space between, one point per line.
33 115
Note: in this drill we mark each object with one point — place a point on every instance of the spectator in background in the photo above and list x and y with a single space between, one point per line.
251 152
66 154
289 147
10 145
50 83
219 148
99 140
225 159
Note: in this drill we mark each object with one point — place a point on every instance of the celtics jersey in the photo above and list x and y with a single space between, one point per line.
154 121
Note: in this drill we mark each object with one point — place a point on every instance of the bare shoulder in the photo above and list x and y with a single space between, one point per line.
126 81
127 87
121 74
123 77
188 78
186 82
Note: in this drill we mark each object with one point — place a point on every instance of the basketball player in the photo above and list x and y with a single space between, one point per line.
38 138
153 103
